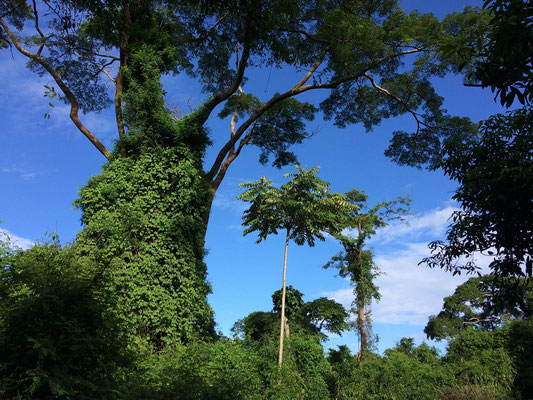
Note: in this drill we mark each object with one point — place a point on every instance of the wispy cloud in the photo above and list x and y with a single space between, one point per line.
429 224
21 172
15 241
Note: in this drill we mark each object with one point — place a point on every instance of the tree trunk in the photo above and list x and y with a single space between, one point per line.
361 295
361 326
283 294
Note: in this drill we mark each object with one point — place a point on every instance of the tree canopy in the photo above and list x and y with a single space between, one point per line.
371 59
485 302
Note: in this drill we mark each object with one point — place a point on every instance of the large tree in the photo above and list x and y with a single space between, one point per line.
146 215
371 59
494 167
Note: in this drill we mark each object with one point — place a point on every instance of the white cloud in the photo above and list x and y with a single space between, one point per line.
15 241
410 293
229 201
432 223
21 172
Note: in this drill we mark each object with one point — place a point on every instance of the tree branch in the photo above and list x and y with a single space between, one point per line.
74 105
219 98
312 69
215 183
36 15
403 103
101 68
299 88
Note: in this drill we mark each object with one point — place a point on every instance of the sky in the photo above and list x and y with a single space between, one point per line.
44 162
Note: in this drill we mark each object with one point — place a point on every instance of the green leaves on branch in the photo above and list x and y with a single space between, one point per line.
495 172
485 302
303 207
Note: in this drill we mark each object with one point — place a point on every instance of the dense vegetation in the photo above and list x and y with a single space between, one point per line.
59 339
122 311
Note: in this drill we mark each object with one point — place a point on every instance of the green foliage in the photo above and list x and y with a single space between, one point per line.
142 219
374 59
484 302
282 126
494 166
519 345
478 358
15 12
506 65
232 370
327 314
293 301
303 207
198 371
58 337
142 215
309 318
494 170
404 373
148 121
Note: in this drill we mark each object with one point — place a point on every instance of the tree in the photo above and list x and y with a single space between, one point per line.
307 318
355 262
506 60
373 59
302 207
142 218
494 167
484 303
495 173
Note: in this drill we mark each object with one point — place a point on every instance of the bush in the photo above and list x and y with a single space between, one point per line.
57 338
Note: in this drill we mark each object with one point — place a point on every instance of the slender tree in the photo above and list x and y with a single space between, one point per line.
302 207
356 262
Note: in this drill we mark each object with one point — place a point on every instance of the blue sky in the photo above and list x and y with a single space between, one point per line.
43 163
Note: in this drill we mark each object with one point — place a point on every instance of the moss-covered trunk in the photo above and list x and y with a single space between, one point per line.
142 215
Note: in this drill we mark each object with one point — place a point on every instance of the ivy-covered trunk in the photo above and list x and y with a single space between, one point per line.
142 215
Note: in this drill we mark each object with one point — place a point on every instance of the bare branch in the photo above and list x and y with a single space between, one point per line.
215 183
74 105
101 68
312 69
219 21
36 15
234 85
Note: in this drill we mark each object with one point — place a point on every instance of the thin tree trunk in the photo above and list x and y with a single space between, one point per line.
283 294
360 301
361 326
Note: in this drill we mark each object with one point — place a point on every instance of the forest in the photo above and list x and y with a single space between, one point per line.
124 309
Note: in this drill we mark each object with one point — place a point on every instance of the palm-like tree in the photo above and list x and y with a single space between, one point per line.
303 207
